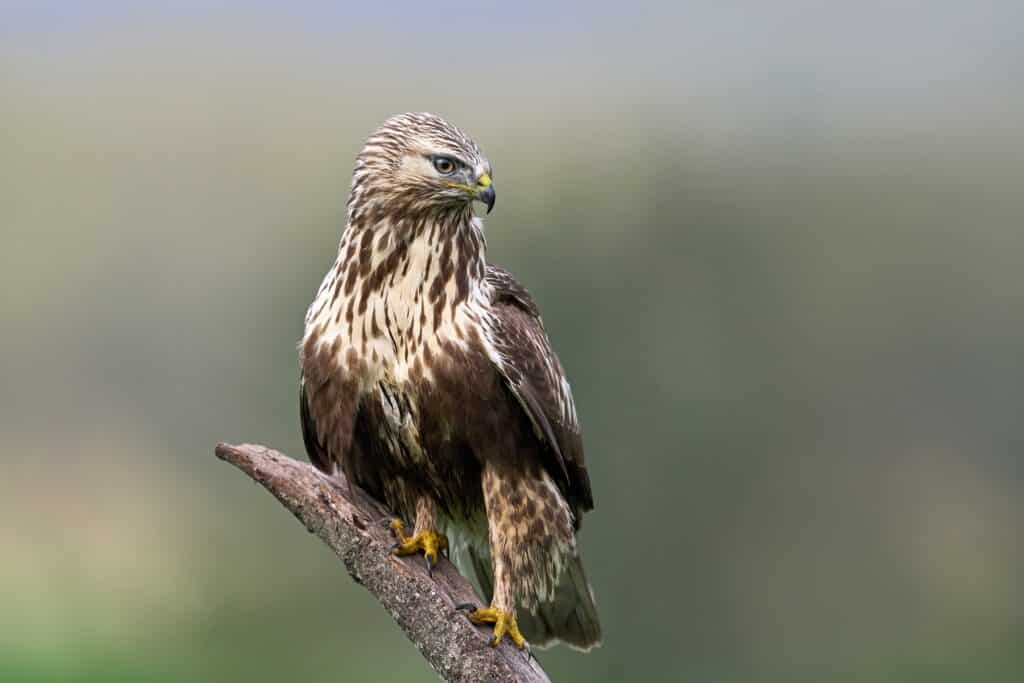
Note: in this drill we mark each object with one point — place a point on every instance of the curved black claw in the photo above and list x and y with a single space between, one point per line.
504 625
465 607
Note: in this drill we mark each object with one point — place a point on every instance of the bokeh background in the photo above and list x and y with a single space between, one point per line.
778 246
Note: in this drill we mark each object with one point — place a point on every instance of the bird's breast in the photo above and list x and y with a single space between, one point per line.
407 328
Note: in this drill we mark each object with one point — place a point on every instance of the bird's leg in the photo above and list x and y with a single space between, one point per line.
500 532
425 538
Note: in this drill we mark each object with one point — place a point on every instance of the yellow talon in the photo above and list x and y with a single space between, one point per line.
504 624
430 543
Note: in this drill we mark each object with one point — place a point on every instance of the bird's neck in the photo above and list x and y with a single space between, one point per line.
402 277
413 254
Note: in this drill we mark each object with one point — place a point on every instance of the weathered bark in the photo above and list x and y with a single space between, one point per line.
349 521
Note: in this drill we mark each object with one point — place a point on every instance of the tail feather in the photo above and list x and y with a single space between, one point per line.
571 617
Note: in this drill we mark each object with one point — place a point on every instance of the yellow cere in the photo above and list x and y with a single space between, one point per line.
461 186
485 181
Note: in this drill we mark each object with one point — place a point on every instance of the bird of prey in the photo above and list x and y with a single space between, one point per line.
428 380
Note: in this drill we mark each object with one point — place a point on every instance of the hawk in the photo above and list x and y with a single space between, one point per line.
428 380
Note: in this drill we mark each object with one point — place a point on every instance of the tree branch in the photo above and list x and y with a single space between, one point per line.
348 520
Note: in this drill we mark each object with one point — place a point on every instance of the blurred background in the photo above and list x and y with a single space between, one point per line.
778 247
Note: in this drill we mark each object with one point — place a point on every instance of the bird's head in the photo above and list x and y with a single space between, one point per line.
422 162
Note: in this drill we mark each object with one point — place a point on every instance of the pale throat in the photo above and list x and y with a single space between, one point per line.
399 293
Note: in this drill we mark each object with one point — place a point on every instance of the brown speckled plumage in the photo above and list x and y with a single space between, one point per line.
428 379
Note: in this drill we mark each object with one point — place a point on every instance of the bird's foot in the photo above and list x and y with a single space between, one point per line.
430 543
504 623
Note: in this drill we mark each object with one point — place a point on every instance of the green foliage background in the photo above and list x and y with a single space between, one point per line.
779 251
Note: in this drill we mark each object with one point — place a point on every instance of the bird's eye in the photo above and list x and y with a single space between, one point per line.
444 165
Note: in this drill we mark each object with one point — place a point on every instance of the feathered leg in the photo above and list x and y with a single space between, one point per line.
502 535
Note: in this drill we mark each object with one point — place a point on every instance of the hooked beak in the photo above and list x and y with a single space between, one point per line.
485 191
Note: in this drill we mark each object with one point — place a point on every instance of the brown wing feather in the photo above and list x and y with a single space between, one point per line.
314 447
535 377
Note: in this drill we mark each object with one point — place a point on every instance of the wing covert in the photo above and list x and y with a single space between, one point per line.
534 375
